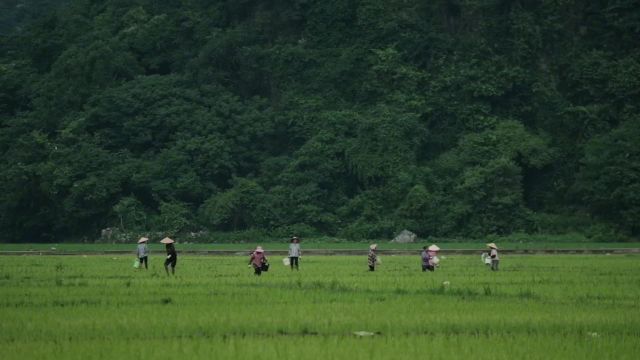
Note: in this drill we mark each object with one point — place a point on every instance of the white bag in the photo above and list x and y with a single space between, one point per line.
286 261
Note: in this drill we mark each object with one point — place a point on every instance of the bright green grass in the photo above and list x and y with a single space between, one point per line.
541 307
317 245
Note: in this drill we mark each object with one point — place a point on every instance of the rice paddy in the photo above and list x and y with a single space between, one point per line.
316 245
100 307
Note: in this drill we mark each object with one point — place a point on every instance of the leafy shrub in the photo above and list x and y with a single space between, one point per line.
360 230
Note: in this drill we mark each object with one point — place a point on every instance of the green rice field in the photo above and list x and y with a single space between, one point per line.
283 245
535 307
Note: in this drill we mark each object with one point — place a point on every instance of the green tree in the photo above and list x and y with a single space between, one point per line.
174 217
131 214
608 182
234 209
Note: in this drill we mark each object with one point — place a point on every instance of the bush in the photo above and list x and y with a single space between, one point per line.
383 229
538 238
300 230
547 223
249 235
605 233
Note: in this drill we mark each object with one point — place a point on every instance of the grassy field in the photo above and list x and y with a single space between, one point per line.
535 307
154 246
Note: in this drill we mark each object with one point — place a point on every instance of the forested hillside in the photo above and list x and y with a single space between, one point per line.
349 118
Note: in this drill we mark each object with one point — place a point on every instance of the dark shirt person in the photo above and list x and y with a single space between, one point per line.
172 255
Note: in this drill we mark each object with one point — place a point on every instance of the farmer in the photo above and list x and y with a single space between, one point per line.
172 256
372 258
259 261
294 252
143 252
430 258
493 254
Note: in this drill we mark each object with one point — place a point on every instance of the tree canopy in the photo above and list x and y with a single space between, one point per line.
351 118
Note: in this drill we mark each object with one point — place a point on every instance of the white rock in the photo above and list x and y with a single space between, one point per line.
363 333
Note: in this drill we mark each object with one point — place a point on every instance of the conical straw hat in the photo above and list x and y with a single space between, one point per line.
167 241
492 245
433 247
143 239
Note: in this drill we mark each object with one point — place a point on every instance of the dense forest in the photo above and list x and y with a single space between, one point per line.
346 118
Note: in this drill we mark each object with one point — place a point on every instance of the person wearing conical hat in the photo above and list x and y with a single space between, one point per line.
294 252
143 253
493 254
172 255
372 259
429 257
259 261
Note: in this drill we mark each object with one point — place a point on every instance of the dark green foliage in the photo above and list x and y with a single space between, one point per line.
235 208
609 180
352 118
